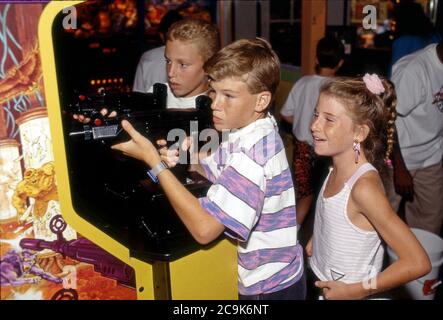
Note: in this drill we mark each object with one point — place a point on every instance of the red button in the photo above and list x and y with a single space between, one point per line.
98 122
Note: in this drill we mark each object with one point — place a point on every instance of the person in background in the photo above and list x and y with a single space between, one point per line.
152 65
189 44
417 173
413 30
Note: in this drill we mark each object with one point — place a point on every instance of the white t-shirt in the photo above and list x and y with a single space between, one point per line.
150 69
174 102
418 80
301 103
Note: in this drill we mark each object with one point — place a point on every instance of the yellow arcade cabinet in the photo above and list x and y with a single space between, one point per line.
132 221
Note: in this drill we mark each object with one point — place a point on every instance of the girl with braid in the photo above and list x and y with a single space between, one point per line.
354 124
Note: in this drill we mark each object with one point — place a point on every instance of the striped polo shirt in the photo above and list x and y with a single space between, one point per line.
253 197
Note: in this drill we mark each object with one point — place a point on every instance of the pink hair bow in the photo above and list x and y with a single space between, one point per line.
373 83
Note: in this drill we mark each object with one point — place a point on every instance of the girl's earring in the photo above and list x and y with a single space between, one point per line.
356 148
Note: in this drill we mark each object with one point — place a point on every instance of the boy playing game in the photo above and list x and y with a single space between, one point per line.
252 197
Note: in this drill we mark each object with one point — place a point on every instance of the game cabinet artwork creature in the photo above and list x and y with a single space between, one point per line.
41 256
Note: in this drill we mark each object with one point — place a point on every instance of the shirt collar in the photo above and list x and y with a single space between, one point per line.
236 134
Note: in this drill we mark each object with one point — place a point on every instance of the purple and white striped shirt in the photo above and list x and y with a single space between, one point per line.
253 196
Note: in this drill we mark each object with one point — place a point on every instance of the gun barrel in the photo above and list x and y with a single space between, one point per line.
36 244
85 251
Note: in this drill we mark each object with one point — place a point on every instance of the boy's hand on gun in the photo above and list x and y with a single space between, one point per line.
138 147
83 119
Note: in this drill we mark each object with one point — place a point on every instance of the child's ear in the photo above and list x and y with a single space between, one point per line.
362 132
263 101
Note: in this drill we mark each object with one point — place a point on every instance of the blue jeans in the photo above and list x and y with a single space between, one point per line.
295 292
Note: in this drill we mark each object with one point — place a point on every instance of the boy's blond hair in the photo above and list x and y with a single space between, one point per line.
204 34
253 61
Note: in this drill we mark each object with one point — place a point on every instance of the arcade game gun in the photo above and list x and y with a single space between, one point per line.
148 115
152 123
113 191
123 103
83 250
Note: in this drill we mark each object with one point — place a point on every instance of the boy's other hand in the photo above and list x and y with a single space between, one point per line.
138 147
168 155
171 155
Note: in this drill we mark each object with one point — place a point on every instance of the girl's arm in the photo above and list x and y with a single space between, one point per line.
413 262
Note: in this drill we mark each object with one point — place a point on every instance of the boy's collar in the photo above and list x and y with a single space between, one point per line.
237 133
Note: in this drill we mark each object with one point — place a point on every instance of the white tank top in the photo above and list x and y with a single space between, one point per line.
341 250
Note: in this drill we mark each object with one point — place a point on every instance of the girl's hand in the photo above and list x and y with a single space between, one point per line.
138 147
337 290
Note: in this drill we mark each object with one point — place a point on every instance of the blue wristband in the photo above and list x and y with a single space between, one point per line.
154 172
152 176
